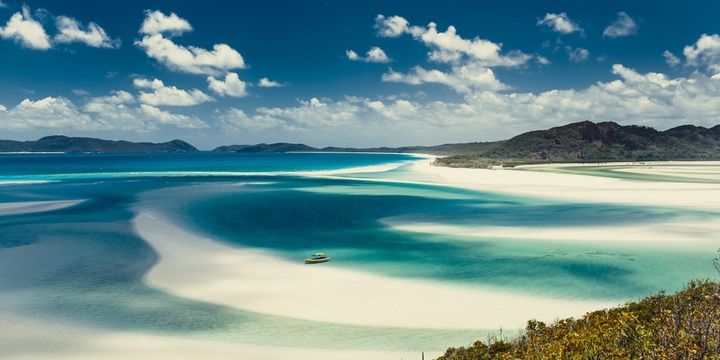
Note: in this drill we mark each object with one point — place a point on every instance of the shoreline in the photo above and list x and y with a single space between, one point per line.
32 340
557 186
30 207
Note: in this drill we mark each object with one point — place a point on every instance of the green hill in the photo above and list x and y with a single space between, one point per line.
594 142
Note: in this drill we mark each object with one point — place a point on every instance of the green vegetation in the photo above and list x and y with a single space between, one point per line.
596 142
685 325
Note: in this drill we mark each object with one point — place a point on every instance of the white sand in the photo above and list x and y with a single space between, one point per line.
671 233
579 188
206 270
27 207
54 342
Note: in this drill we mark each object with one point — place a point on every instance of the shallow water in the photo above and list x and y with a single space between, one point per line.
84 264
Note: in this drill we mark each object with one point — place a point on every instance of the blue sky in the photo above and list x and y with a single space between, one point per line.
420 72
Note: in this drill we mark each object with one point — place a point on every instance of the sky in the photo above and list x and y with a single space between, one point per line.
352 73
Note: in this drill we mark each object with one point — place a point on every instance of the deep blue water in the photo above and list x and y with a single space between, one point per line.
58 164
84 264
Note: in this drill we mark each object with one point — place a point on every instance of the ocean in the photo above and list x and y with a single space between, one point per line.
84 265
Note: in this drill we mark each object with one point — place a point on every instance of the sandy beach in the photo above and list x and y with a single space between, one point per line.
540 181
27 207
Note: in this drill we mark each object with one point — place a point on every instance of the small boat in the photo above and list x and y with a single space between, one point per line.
317 258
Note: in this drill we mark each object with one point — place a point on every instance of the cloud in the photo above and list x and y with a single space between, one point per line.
188 59
671 59
559 23
26 31
2 108
167 118
156 23
704 52
311 114
465 78
374 55
115 112
106 104
542 60
80 92
448 47
230 86
69 30
31 34
392 26
267 83
168 95
469 60
624 25
191 59
46 113
235 120
577 54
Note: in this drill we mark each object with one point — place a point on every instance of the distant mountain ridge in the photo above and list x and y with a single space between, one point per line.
594 142
584 141
59 143
445 149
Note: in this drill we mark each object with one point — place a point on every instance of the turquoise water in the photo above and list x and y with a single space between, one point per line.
84 264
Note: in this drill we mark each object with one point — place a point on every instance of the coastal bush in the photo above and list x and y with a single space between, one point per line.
685 325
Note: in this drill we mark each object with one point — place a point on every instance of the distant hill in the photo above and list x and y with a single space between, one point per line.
59 143
266 148
445 149
595 142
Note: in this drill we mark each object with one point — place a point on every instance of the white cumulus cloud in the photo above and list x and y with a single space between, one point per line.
168 118
69 30
671 59
449 47
624 25
469 60
374 55
105 104
577 54
188 59
115 112
704 52
465 78
168 95
25 30
267 83
559 23
392 26
157 22
230 86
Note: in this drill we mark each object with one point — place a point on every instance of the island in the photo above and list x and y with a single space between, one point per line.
66 144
